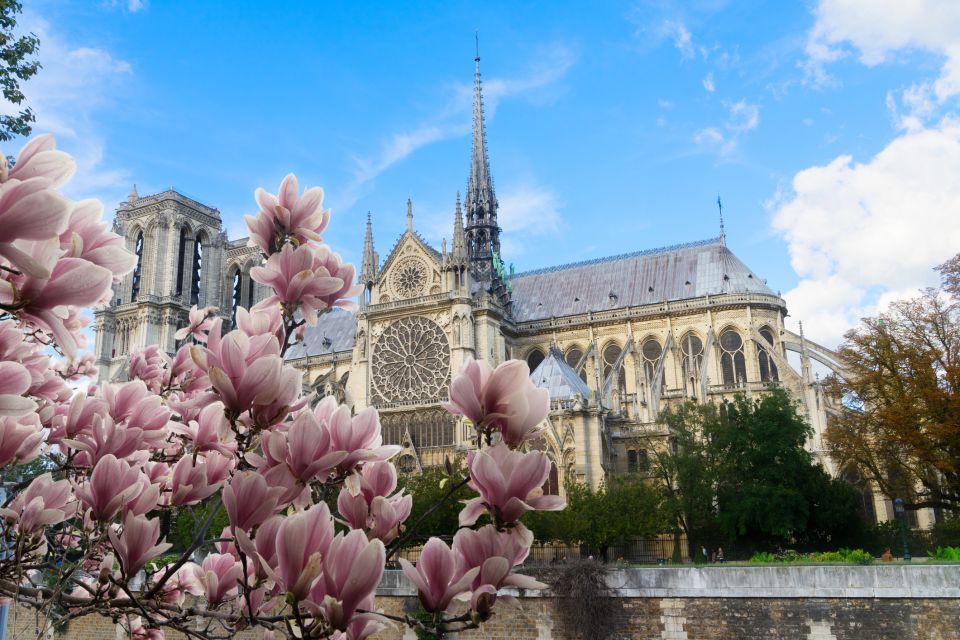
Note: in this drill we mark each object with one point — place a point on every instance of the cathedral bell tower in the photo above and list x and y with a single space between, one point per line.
482 231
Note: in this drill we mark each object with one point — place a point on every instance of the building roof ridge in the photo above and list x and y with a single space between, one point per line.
621 256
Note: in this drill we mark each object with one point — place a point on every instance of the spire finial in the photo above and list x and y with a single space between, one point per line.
409 214
133 194
723 233
476 38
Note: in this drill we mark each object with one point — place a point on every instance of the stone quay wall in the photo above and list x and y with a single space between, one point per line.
878 602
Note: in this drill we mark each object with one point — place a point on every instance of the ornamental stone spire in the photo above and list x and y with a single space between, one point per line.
458 248
368 270
482 231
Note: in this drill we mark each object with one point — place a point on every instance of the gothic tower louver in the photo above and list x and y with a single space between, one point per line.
482 231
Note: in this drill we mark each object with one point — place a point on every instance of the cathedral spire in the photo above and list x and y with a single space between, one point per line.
458 246
723 233
482 231
409 215
368 270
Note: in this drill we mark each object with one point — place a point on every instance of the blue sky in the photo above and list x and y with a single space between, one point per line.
828 128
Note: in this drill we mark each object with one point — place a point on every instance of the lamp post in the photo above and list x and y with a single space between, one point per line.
901 515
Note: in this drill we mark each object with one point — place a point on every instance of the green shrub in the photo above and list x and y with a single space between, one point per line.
945 553
828 556
856 556
763 556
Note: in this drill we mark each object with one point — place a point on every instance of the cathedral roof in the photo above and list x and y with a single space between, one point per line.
679 272
338 328
559 378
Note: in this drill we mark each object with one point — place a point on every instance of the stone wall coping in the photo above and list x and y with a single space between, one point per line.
817 581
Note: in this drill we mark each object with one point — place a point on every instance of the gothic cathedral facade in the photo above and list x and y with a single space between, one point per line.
615 340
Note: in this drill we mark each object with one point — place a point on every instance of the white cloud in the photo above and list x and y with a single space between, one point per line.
743 116
664 104
710 135
74 83
131 6
527 211
708 83
860 235
878 29
682 40
454 119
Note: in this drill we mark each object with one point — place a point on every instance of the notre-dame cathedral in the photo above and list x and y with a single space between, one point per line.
615 340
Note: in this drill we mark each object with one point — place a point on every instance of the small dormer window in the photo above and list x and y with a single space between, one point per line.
726 277
613 299
650 289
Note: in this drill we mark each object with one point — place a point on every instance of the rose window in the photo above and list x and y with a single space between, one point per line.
409 277
411 361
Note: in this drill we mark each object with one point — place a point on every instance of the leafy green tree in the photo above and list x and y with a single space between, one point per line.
739 473
620 509
687 469
16 64
427 488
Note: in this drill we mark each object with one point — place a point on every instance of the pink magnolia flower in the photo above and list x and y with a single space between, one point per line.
200 321
373 508
509 483
352 569
298 280
330 262
210 431
133 404
249 500
359 436
436 576
287 215
20 439
302 540
144 498
30 210
150 366
495 553
219 577
105 437
76 418
244 371
305 449
139 632
87 237
43 299
262 550
136 544
15 380
502 399
39 159
198 477
182 582
111 484
42 504
258 322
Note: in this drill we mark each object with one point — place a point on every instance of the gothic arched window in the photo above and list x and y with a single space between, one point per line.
692 349
534 358
235 298
611 353
138 270
551 486
573 358
768 368
251 290
651 352
197 270
181 256
733 366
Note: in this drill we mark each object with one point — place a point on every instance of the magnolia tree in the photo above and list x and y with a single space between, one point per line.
224 422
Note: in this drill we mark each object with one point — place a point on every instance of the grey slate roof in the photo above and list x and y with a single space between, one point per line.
558 377
645 277
338 325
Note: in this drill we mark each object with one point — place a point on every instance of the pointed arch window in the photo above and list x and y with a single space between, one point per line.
181 256
235 299
611 353
551 486
197 270
573 357
768 368
651 352
138 270
733 365
692 349
251 290
534 358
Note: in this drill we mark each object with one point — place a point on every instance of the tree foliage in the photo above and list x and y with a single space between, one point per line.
900 426
739 474
621 508
427 488
16 64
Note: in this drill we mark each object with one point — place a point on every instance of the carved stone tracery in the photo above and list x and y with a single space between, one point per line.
411 361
